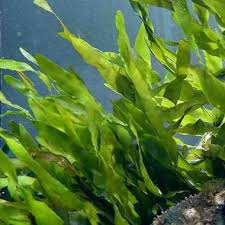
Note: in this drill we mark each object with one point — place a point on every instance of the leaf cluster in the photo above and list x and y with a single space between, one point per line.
88 166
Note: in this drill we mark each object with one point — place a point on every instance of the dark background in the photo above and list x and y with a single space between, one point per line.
22 24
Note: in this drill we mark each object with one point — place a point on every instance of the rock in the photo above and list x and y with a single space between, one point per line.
205 208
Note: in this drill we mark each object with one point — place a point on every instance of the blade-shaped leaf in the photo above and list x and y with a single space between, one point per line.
214 90
15 65
42 213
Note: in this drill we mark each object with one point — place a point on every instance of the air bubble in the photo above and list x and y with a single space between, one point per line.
19 34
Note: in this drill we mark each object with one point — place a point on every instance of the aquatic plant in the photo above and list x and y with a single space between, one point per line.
89 166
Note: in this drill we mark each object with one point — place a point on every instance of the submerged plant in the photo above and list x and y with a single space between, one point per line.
88 166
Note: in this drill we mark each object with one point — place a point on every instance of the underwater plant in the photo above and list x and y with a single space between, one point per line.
88 166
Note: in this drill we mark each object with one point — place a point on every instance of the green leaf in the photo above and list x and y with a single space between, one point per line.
148 182
28 56
163 54
160 3
15 65
173 90
213 89
213 63
16 84
123 41
8 169
109 71
183 57
12 213
68 82
14 106
197 128
119 220
44 79
42 213
141 46
44 5
23 136
41 76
